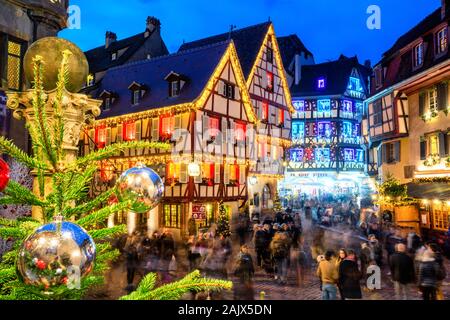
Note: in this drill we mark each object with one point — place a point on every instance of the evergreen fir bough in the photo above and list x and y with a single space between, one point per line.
69 197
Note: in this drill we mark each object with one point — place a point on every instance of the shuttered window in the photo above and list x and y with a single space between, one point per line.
422 98
423 148
442 93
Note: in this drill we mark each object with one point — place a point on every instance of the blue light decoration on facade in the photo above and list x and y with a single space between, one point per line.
324 108
296 155
360 155
322 155
354 88
299 105
298 131
324 129
349 154
346 109
321 83
346 129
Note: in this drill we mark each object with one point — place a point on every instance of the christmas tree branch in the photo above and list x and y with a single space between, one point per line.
18 194
102 214
8 147
111 150
89 206
16 233
108 232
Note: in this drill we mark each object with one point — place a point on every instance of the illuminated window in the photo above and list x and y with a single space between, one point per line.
167 127
346 129
299 105
100 137
390 152
324 129
234 173
354 84
441 218
208 173
349 154
172 216
296 155
418 55
266 196
322 155
265 111
129 131
114 56
172 172
360 155
432 99
270 81
213 124
14 65
240 131
441 40
262 150
346 106
90 81
280 116
298 131
434 144
323 107
321 83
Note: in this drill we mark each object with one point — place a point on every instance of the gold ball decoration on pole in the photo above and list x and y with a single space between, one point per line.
50 50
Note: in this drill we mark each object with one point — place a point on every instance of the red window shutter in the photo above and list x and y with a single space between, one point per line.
281 117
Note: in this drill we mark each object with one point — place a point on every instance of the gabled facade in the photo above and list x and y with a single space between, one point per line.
198 101
328 152
409 122
262 65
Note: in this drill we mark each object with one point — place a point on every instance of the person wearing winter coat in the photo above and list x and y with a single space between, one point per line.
328 274
261 241
377 250
402 271
280 250
442 272
350 277
244 270
428 275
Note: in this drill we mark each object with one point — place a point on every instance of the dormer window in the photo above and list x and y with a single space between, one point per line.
136 95
176 82
174 88
114 56
441 40
108 99
228 90
418 55
137 92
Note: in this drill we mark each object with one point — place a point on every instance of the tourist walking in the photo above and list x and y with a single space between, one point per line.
428 275
402 271
244 270
328 274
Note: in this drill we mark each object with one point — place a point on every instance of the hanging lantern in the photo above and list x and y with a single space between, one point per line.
4 174
194 169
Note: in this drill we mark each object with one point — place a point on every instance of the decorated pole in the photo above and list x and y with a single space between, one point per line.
76 109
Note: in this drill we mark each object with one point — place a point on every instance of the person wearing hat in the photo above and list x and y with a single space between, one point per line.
428 275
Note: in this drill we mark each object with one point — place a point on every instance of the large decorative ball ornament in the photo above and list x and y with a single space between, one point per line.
57 253
142 186
51 50
4 174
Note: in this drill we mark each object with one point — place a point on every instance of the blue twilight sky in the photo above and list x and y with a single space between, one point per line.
327 27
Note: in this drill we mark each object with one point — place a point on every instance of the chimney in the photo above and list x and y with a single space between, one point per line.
445 8
368 64
152 24
297 69
110 38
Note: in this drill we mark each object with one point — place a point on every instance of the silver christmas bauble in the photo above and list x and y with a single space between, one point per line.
55 254
142 186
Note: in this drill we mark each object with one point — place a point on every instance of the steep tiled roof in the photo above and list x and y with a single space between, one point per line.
336 74
247 40
196 65
290 46
100 58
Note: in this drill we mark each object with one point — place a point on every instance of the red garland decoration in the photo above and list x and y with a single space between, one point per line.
4 174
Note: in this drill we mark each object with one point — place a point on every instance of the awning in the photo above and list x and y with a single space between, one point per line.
435 190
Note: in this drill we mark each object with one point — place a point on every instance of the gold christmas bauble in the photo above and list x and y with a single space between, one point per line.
51 50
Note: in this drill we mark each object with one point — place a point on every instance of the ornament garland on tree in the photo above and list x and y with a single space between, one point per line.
277 203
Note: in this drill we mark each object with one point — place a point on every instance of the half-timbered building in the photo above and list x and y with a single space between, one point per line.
196 100
409 121
262 66
328 154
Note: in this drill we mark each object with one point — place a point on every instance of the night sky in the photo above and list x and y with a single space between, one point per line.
327 27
